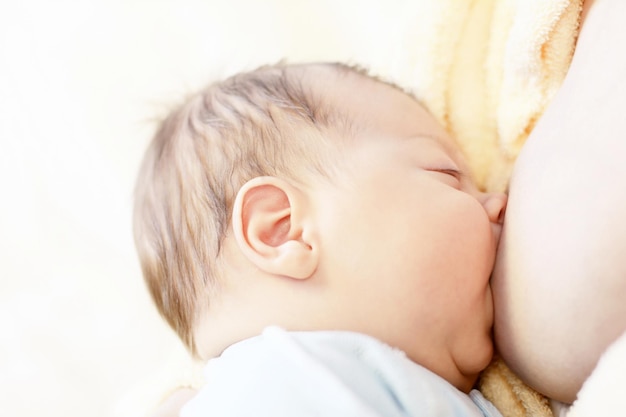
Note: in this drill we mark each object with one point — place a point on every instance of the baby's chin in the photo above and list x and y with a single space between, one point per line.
477 351
484 357
478 360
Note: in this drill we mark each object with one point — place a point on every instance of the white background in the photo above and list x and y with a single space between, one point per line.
81 85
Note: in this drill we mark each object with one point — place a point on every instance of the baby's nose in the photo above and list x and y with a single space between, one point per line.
495 206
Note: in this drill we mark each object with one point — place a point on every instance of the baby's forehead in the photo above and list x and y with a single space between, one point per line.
343 89
373 103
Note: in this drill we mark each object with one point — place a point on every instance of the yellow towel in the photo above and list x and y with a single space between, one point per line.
487 70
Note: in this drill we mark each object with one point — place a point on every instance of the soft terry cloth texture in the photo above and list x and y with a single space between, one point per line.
487 70
328 373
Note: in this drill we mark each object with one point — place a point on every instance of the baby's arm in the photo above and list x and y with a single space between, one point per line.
560 278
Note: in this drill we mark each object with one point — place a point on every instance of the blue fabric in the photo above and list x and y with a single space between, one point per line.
326 373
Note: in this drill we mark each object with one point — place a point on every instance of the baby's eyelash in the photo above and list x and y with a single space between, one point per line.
451 171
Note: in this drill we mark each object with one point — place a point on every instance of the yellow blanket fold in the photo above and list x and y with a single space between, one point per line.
487 70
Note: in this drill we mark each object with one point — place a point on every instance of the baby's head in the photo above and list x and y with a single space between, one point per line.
315 197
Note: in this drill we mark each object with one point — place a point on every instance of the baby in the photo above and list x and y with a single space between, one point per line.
316 235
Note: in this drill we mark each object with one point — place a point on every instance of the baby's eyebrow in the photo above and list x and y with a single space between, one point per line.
449 144
438 139
453 150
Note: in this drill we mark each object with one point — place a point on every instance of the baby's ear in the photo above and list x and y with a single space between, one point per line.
268 225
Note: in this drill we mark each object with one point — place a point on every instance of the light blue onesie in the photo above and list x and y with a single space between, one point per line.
329 373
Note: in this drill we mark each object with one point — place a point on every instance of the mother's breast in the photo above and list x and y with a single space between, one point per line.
560 276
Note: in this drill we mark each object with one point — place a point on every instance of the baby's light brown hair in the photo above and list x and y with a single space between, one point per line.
265 122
